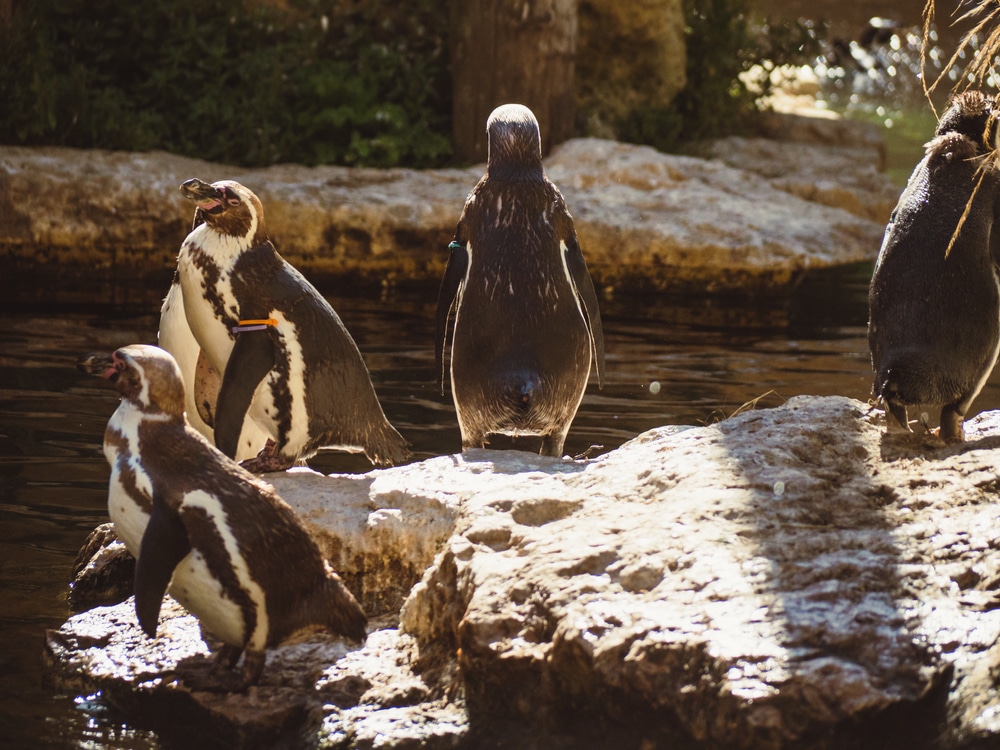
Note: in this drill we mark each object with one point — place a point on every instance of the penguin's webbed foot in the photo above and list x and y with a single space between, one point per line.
226 659
552 445
223 677
898 411
268 460
386 447
952 430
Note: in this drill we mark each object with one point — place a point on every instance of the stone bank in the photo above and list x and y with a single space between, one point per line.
749 215
787 578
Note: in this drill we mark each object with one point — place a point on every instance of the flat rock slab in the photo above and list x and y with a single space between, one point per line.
788 577
792 577
754 217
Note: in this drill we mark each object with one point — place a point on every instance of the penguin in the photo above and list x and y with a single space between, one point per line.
934 297
222 541
286 360
526 320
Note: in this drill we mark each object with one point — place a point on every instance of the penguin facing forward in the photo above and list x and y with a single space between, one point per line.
934 298
285 357
526 321
229 549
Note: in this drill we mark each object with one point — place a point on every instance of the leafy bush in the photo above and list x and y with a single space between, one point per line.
360 82
722 43
356 82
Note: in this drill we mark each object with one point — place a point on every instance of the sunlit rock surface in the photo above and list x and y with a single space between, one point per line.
646 220
787 578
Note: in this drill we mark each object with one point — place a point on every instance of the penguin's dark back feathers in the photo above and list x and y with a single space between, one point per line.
934 299
341 402
281 555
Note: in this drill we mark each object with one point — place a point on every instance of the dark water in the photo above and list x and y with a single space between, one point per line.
708 357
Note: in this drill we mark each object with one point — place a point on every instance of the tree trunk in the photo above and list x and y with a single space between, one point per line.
511 51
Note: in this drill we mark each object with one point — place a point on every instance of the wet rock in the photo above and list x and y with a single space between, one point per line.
103 571
793 577
316 691
645 219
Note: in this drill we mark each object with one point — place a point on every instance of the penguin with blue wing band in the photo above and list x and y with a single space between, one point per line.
517 299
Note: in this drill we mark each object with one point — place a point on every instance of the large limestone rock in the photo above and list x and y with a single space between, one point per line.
647 220
848 177
786 578
680 222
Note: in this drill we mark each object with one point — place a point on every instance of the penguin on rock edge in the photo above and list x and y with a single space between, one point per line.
229 549
286 360
934 298
526 320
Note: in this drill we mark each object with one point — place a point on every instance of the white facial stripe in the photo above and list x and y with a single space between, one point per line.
252 208
213 508
144 393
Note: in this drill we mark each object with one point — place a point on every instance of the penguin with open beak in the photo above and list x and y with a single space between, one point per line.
286 361
220 540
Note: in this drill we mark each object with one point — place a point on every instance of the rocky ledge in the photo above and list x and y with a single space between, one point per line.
753 215
786 578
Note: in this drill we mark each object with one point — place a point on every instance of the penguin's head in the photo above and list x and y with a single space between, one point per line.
226 206
147 376
973 116
514 141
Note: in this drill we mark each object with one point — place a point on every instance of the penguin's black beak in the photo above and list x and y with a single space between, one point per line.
206 197
102 365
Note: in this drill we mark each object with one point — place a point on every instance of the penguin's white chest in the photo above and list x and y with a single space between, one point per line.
195 586
237 617
130 490
204 268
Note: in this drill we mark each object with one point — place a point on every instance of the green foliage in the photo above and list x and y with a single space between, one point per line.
358 82
721 44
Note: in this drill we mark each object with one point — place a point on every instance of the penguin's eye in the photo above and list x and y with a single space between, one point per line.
230 198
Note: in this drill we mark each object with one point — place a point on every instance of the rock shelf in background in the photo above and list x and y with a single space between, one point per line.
753 217
787 578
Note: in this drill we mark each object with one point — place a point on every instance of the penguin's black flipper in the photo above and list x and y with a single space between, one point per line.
587 295
454 276
164 544
251 360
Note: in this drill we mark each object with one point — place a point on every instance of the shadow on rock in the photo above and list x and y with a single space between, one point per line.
834 656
